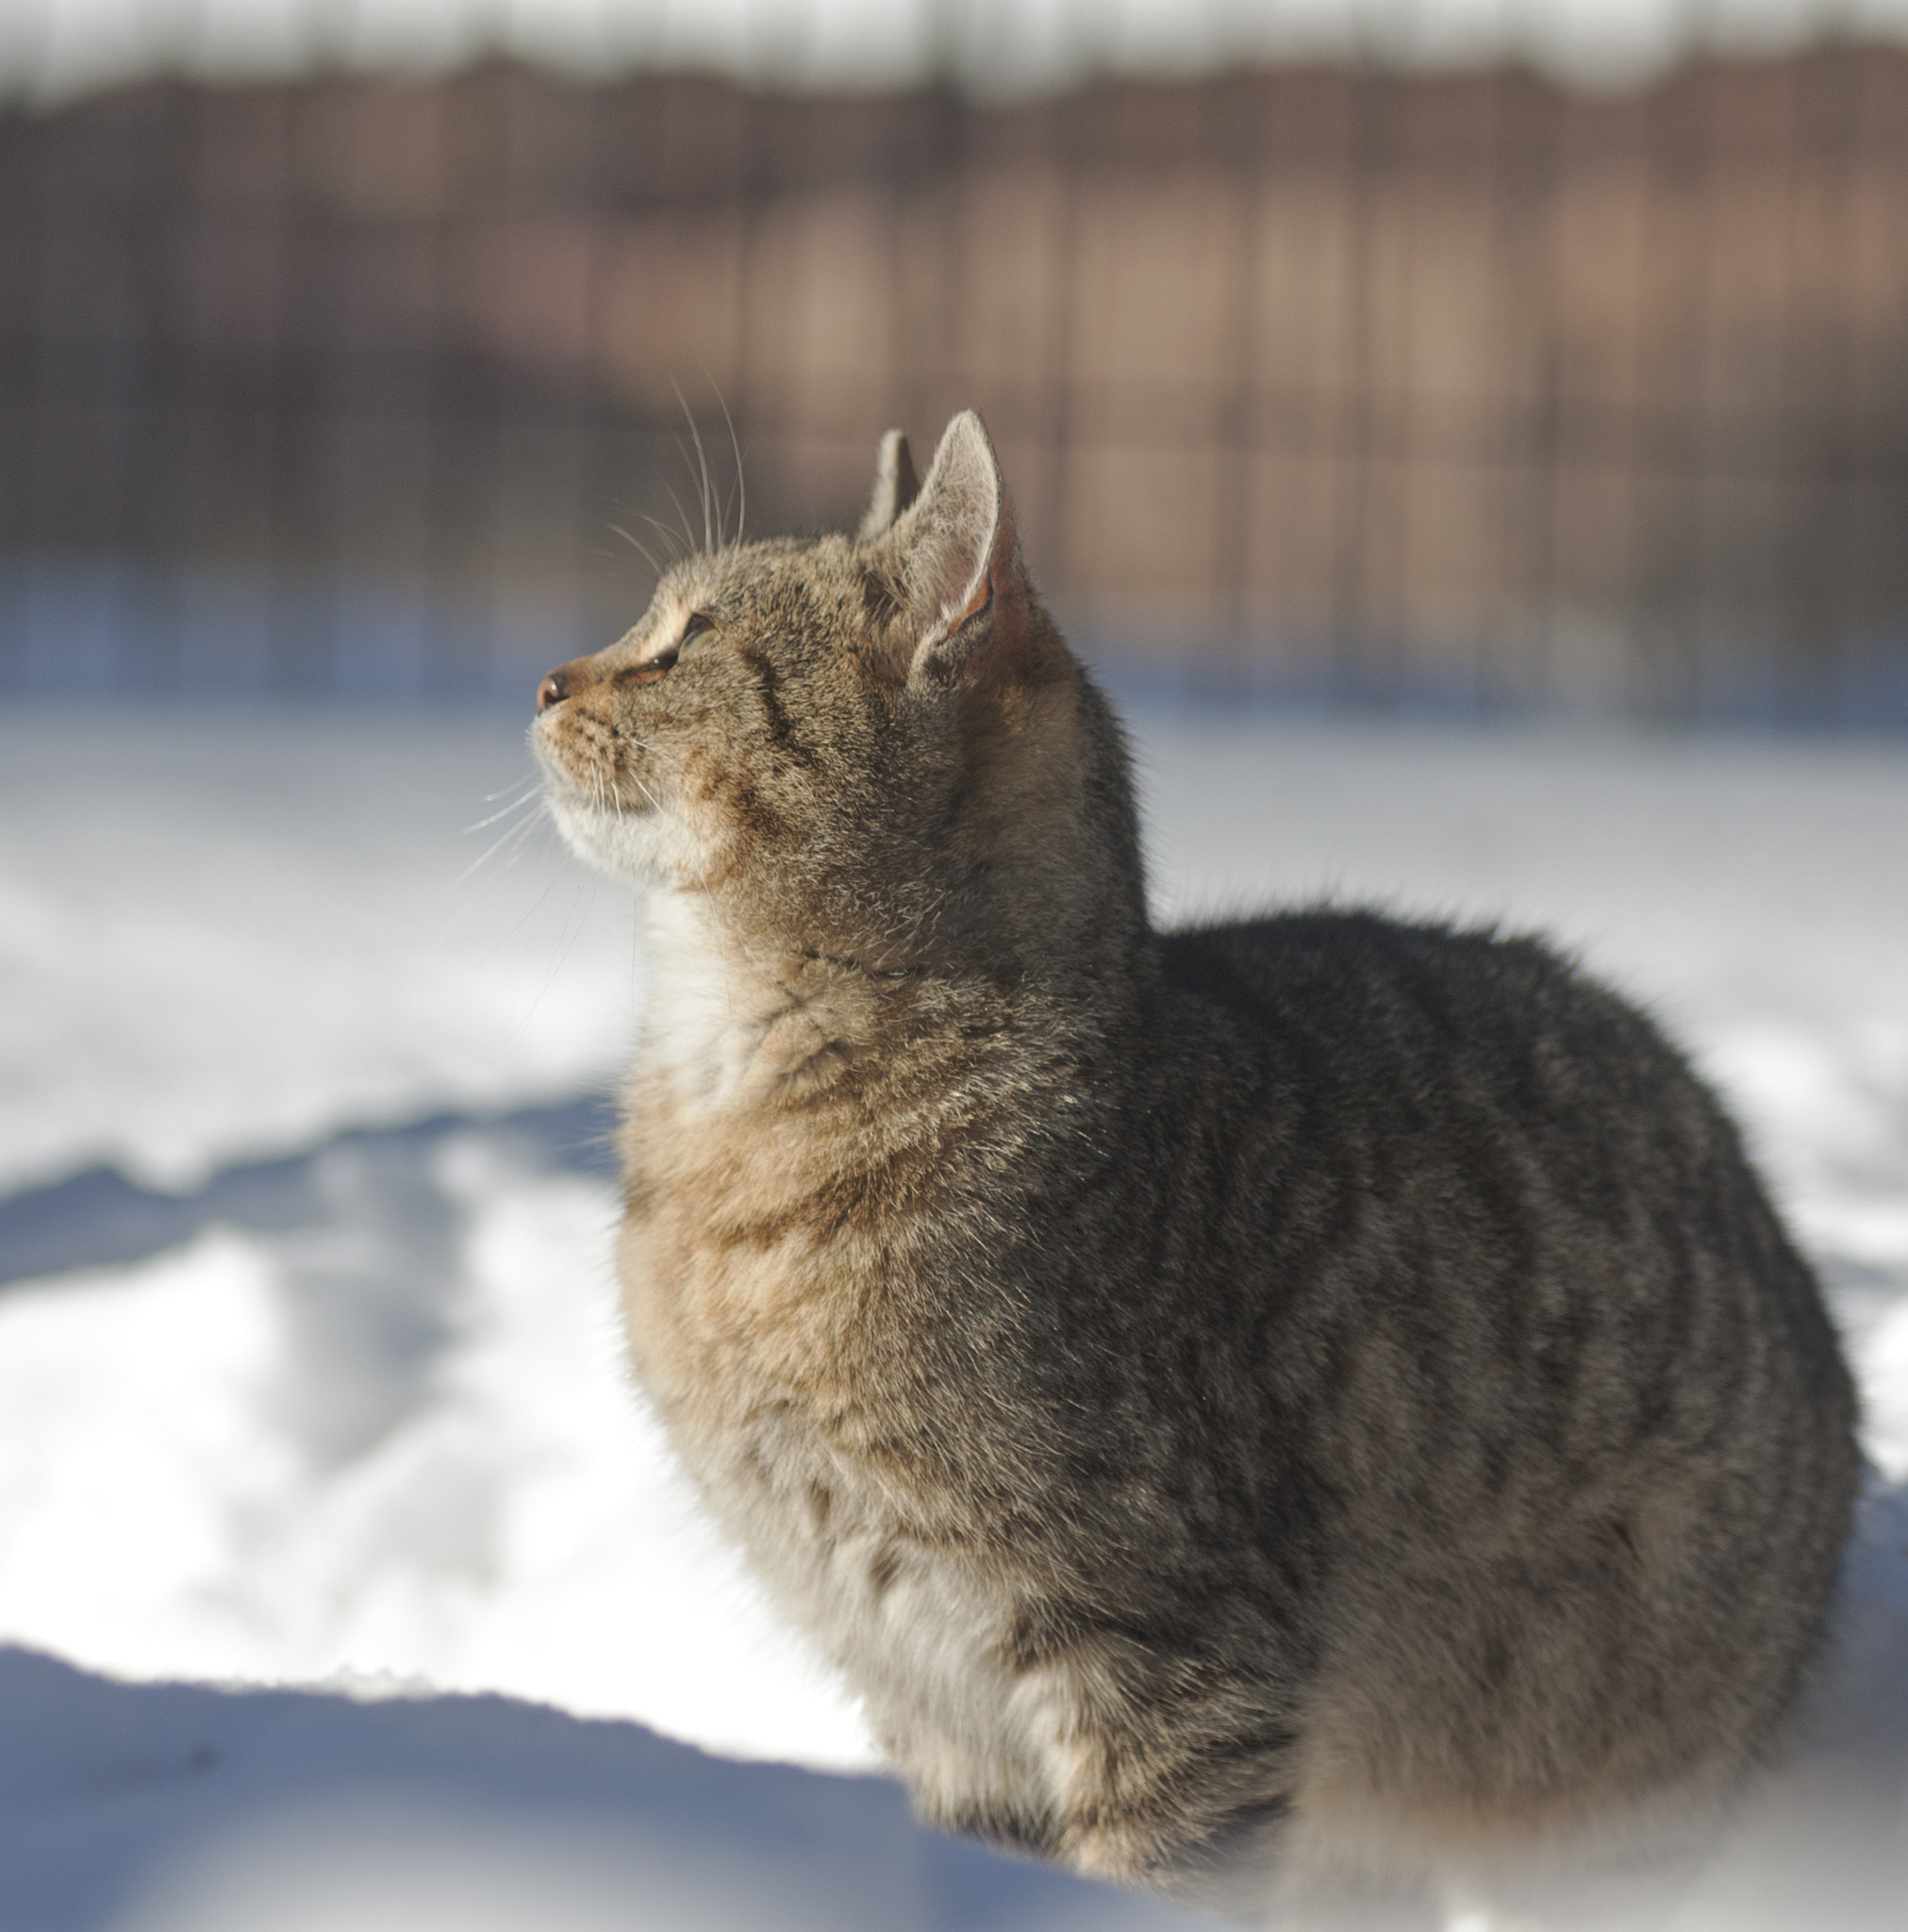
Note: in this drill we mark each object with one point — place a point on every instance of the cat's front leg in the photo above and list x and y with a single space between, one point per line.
1141 1789
1041 1765
1089 1827
975 1791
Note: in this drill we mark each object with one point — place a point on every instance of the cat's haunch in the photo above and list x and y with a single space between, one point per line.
1319 1392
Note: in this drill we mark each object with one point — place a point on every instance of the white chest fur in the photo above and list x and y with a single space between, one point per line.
709 1006
729 1025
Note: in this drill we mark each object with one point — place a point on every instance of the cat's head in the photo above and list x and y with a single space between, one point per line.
876 744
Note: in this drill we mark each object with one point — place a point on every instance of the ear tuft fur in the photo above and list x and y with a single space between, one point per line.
896 486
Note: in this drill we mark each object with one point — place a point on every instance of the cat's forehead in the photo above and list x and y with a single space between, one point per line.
741 577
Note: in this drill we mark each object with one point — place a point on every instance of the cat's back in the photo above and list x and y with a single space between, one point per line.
1332 974
1572 1391
1466 1124
1448 1048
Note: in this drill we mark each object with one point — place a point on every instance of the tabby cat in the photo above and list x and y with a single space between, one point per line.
1320 1392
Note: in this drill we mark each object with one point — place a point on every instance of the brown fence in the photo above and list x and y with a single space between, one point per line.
1459 389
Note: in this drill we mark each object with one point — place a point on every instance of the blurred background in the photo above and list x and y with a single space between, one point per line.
1473 355
1472 436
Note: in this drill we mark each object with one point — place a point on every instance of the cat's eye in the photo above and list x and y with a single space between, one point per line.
698 630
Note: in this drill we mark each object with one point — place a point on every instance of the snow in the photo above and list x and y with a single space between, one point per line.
57 47
224 932
398 1445
309 1364
181 1809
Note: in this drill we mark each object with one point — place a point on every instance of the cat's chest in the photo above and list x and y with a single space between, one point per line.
780 1371
768 1292
775 1231
786 1290
786 1257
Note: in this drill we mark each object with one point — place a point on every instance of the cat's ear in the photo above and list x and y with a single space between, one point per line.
896 486
961 558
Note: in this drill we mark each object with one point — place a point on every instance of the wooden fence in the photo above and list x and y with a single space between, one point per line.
1325 381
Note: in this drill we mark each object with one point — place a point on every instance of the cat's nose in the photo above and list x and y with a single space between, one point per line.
567 680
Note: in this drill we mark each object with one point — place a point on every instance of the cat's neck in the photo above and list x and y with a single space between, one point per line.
733 1019
736 1018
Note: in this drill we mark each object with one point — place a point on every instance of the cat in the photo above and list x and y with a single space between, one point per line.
1315 1392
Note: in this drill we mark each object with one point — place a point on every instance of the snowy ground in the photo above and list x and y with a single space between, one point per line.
308 1366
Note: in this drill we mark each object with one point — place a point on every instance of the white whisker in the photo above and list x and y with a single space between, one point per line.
516 834
520 835
515 804
705 487
680 511
526 784
574 924
741 491
663 530
522 918
641 549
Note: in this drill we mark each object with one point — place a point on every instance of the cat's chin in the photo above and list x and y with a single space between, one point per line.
642 847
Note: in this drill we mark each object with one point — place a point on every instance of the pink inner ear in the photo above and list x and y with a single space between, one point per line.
979 598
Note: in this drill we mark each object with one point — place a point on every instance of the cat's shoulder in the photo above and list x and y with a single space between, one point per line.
1347 944
1338 969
